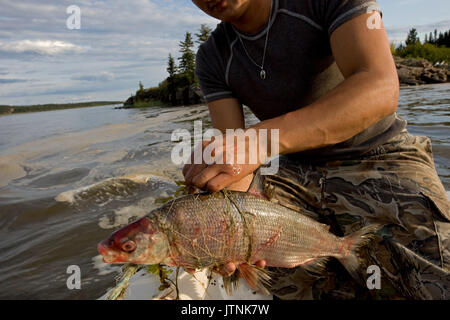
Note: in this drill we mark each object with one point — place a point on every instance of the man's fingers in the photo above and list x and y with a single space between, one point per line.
227 269
220 181
261 263
194 170
202 178
192 163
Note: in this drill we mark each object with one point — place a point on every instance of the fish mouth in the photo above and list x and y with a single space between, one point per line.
108 255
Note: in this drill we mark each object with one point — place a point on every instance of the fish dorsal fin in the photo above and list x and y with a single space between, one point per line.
256 277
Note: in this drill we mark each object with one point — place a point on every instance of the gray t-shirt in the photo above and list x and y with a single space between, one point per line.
299 64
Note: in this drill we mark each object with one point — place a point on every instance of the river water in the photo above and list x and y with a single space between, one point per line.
69 178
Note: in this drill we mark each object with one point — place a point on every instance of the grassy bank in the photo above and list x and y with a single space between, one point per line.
148 104
50 107
426 51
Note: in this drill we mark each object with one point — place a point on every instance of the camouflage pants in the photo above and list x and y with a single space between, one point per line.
396 186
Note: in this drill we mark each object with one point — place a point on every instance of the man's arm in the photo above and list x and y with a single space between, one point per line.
368 94
226 114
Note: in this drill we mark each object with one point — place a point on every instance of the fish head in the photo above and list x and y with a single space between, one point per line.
138 243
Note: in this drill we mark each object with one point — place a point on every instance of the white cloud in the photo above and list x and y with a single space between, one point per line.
101 77
399 34
44 47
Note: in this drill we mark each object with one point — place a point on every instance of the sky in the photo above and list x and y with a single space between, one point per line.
120 43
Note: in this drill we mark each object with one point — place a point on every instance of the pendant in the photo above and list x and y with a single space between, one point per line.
263 74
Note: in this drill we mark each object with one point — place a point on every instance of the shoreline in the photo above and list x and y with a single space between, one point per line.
7 110
404 85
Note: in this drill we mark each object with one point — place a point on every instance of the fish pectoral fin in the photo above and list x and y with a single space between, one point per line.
231 282
316 265
256 277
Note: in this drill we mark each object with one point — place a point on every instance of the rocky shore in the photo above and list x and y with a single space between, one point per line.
185 95
413 72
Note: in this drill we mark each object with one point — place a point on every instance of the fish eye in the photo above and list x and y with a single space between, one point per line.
128 246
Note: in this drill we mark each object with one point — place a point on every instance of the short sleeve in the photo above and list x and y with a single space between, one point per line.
333 13
211 75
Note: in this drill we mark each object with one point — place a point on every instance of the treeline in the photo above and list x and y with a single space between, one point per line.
443 39
435 48
50 107
181 86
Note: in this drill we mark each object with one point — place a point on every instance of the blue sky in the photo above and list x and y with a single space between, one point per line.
123 42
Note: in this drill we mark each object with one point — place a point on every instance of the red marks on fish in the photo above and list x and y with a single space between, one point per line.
268 243
257 193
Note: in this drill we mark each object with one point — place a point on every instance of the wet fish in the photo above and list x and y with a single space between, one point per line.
208 230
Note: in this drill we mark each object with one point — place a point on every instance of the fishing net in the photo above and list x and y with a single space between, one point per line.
207 250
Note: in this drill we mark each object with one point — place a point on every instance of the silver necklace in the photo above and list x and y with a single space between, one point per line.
262 73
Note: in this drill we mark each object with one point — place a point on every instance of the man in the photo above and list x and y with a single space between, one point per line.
322 73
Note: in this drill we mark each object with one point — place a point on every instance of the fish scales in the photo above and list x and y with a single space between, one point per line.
212 230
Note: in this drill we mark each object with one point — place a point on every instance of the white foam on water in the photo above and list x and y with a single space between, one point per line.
104 268
71 195
122 217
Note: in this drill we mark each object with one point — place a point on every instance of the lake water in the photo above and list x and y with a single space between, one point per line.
69 178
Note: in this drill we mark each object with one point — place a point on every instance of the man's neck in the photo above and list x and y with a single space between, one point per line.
255 17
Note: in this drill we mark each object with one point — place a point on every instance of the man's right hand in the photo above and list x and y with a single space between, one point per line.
229 268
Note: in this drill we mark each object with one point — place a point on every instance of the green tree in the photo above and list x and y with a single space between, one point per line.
187 59
203 34
171 67
172 70
412 38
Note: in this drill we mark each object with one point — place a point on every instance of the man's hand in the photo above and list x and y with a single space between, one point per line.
229 268
235 164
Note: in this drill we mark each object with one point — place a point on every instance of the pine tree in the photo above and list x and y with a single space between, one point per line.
187 59
203 34
412 38
440 41
172 70
171 67
430 38
426 38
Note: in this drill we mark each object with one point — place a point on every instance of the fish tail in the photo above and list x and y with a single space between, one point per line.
352 246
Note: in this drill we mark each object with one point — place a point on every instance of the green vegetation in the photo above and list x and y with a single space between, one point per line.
187 59
435 48
181 86
50 107
203 34
148 104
